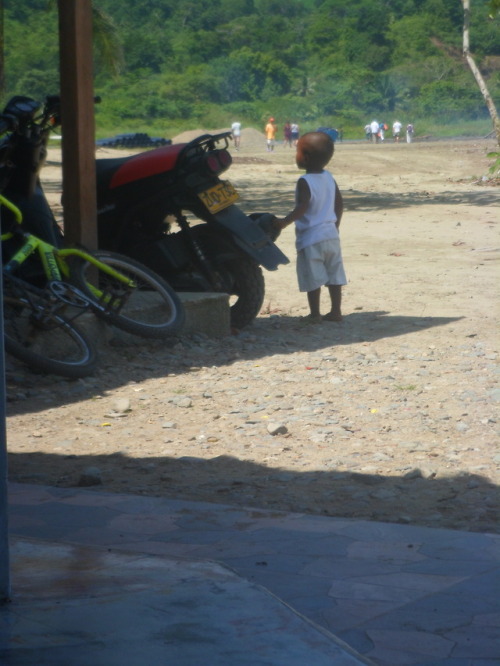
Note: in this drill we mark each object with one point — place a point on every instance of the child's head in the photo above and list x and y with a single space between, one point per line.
314 151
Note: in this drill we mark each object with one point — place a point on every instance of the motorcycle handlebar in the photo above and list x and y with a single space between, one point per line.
52 109
21 109
7 123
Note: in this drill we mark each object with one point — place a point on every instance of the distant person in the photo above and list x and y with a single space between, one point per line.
368 132
317 214
409 133
295 133
236 130
271 130
381 131
287 134
375 128
396 130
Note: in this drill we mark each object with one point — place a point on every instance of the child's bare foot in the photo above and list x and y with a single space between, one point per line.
311 319
332 316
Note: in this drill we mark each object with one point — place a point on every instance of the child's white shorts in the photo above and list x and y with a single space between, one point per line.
320 264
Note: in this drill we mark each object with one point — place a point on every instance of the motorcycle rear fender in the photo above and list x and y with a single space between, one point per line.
249 237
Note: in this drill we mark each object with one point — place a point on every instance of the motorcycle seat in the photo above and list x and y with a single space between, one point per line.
124 170
105 169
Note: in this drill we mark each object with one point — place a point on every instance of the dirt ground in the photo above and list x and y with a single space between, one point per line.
391 415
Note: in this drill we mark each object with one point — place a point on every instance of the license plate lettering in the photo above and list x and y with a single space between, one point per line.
219 197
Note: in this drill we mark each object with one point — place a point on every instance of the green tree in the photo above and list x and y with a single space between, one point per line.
494 8
315 58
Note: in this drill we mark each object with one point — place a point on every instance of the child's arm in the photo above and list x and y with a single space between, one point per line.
303 196
339 205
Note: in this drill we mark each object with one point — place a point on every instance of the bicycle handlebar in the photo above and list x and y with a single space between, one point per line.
12 207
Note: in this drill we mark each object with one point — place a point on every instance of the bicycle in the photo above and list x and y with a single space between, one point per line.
126 294
38 334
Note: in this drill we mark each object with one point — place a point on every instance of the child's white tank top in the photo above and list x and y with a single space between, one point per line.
318 223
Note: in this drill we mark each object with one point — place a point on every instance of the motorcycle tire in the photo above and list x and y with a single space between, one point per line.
248 288
164 315
241 278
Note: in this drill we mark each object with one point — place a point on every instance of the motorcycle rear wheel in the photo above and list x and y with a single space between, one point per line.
247 287
240 276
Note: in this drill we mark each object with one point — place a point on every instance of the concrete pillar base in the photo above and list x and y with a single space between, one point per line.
206 313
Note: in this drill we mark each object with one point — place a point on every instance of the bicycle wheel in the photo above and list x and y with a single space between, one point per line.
150 308
45 340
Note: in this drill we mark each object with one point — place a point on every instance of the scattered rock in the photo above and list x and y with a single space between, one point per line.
277 429
92 476
121 405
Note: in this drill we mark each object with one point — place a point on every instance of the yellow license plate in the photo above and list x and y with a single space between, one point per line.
219 197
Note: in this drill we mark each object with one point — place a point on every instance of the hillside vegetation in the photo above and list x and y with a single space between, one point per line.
189 63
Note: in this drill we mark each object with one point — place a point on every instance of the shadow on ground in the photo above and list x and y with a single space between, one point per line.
467 502
136 360
362 201
371 201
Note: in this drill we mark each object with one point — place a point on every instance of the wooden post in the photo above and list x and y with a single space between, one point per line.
78 128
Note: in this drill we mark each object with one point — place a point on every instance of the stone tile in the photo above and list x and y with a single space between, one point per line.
487 620
390 551
422 583
156 548
350 613
456 661
460 568
370 592
417 643
429 615
144 524
342 568
300 542
476 642
391 657
395 592
90 606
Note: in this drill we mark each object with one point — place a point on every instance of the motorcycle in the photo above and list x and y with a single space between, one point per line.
117 284
141 197
142 201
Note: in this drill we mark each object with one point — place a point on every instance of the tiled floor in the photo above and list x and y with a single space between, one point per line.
396 594
75 606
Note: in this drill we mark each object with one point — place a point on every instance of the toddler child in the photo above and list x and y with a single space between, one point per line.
317 214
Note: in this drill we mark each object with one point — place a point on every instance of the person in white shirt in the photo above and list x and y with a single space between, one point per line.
317 214
375 127
236 130
396 130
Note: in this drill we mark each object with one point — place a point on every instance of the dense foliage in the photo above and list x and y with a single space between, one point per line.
329 62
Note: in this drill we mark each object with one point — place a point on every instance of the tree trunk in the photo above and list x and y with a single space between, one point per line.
477 74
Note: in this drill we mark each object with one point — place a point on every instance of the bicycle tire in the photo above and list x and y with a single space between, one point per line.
151 310
53 344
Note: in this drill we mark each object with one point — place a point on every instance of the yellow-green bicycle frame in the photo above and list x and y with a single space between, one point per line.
54 259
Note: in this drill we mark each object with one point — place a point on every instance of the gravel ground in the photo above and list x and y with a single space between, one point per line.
391 415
